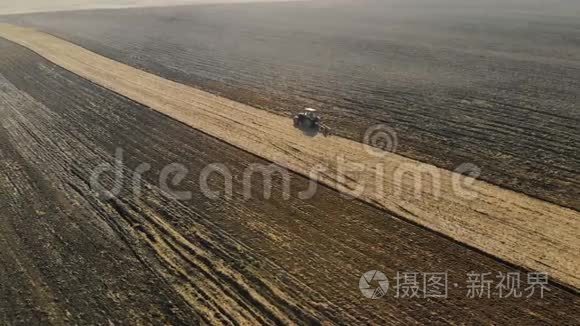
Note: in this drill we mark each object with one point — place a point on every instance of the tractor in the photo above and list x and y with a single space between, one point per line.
309 121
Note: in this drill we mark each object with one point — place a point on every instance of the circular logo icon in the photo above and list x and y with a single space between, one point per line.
380 140
373 284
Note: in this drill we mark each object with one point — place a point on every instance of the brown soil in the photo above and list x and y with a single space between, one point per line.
514 227
71 257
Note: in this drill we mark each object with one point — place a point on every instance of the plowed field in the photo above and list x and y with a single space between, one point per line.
490 83
71 256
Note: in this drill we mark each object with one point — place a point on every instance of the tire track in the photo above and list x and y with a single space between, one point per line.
225 297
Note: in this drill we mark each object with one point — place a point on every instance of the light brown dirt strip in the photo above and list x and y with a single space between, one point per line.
520 229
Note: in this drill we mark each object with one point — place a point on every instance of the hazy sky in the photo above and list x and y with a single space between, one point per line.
22 6
558 7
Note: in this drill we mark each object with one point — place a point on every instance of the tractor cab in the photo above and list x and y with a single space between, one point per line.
310 112
309 121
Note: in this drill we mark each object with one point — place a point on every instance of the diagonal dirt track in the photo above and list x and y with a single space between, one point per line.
520 229
70 256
